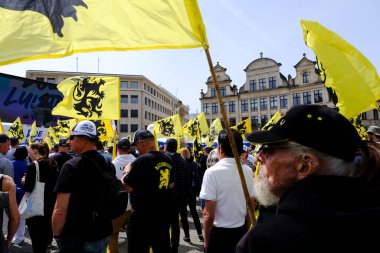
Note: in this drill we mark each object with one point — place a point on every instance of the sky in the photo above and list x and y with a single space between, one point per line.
237 31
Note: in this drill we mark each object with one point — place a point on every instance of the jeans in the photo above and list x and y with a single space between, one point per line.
75 245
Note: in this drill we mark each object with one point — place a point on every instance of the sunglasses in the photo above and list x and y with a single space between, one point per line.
270 149
72 137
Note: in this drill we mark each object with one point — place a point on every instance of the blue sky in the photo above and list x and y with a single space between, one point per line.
237 30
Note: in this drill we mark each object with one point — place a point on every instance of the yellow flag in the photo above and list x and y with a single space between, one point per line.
215 128
190 130
50 138
1 127
243 127
276 117
33 133
203 126
348 75
105 131
64 127
91 98
357 123
168 127
15 130
37 31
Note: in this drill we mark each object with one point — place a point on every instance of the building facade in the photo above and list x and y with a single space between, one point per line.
266 90
141 101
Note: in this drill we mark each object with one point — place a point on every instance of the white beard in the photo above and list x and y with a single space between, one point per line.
262 190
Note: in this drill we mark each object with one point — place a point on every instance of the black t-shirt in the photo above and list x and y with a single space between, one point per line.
150 177
61 158
81 179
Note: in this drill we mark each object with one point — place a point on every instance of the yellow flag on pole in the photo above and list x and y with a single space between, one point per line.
15 130
243 127
215 128
33 133
1 127
203 126
66 27
91 98
168 127
105 131
276 117
50 138
64 127
351 79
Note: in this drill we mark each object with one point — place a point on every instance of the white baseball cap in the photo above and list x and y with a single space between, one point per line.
86 128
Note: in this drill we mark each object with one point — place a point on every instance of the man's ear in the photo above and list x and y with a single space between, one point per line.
307 166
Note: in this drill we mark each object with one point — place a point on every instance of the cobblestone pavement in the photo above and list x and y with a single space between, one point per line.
194 246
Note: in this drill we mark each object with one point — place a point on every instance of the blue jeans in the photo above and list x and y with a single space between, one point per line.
76 245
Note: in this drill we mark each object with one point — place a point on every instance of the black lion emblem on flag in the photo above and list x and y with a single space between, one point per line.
167 127
100 128
241 128
16 131
88 97
54 10
213 134
194 127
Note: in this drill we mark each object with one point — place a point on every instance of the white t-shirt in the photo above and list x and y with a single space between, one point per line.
221 183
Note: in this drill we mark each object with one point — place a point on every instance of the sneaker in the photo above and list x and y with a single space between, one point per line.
187 239
201 239
18 242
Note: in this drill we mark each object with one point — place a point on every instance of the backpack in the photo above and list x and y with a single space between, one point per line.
113 199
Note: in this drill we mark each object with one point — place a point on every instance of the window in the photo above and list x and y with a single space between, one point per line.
232 121
134 85
244 105
252 85
254 106
134 99
223 91
134 113
124 128
206 108
213 93
296 99
51 80
307 98
263 103
134 127
273 102
40 79
231 106
214 107
262 84
124 113
318 96
305 77
124 99
272 82
375 114
364 115
146 101
284 101
264 120
144 86
124 84
254 121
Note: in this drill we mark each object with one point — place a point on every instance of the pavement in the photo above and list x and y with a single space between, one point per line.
194 246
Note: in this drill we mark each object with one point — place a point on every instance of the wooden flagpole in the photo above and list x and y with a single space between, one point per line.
232 141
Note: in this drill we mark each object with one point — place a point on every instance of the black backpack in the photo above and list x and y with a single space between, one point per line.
113 198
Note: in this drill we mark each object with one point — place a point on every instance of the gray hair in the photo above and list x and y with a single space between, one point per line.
327 165
213 157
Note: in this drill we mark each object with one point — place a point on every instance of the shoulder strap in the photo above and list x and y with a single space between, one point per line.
37 171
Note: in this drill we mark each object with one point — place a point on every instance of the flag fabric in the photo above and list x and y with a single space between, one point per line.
191 129
358 124
67 27
215 128
89 97
350 78
243 127
50 138
64 127
1 127
203 126
33 133
105 131
168 127
15 130
276 117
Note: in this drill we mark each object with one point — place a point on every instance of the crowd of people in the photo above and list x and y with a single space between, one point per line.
314 181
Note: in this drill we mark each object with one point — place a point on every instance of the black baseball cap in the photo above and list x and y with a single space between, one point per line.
4 138
63 142
123 143
140 135
315 126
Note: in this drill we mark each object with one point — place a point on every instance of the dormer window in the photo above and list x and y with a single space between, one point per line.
306 77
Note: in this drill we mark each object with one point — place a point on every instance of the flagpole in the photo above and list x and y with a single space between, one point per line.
232 141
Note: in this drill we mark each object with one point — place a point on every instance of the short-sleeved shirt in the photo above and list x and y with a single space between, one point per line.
150 177
221 183
81 179
61 158
6 166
